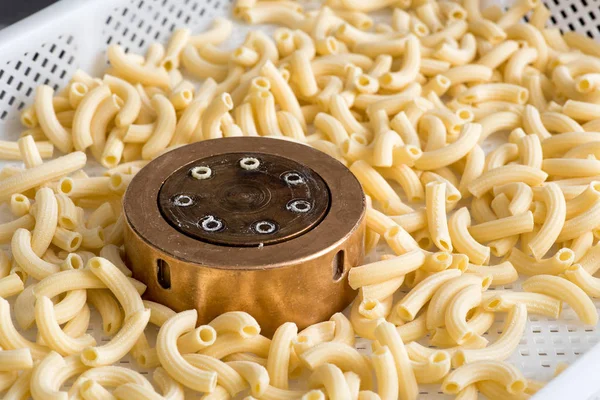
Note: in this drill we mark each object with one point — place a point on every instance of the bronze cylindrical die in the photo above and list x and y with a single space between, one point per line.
194 250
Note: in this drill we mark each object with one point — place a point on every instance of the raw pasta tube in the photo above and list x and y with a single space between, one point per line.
447 155
8 229
376 186
494 92
53 335
410 67
170 389
46 114
566 291
580 224
462 240
341 355
236 322
19 205
385 371
211 119
530 151
433 369
30 151
230 343
173 362
381 271
407 178
435 200
264 107
415 300
198 339
456 321
164 127
332 379
579 276
343 329
498 371
26 258
436 311
177 42
118 283
279 354
503 227
14 360
10 285
41 174
387 335
46 216
134 72
104 115
555 217
108 308
82 121
282 92
120 344
503 347
506 174
534 302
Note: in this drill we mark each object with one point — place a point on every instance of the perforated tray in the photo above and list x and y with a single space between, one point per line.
49 46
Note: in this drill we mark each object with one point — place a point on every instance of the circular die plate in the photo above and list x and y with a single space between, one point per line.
270 200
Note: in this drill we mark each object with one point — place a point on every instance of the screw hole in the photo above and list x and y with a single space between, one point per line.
299 206
211 224
201 172
293 178
249 163
265 227
338 266
163 273
182 200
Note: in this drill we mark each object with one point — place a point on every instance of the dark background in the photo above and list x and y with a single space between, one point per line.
12 11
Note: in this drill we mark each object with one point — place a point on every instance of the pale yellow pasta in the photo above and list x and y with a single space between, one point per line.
552 226
579 276
41 174
173 362
332 379
211 118
19 205
436 311
230 343
109 310
26 258
227 377
164 127
118 283
53 335
497 371
10 285
387 335
534 302
31 152
409 306
566 291
433 369
435 200
456 313
381 271
385 371
377 187
504 345
46 114
506 174
560 123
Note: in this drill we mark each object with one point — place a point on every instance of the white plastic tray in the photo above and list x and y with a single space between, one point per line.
48 46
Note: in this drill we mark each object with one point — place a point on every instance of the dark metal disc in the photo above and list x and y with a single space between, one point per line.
244 199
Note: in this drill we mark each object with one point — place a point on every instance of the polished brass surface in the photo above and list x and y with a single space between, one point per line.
298 275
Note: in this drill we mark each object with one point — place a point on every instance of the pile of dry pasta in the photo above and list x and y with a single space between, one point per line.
409 102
